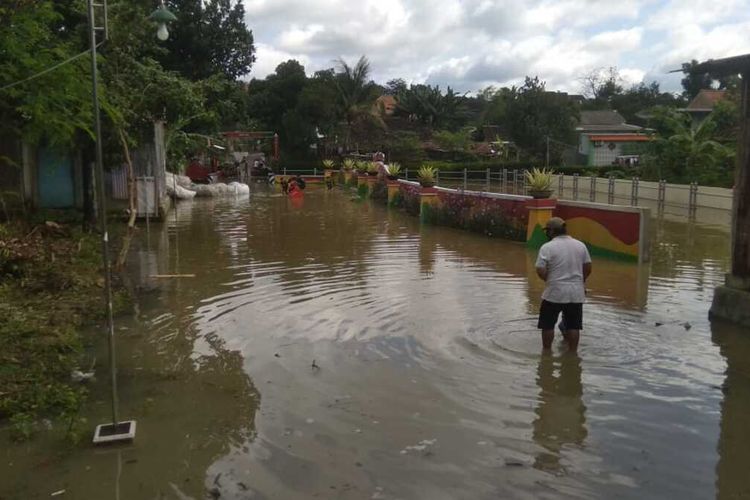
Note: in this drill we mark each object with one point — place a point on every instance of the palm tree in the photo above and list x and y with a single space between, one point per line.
356 93
428 104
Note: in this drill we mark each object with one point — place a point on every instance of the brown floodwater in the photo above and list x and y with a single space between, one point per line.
336 349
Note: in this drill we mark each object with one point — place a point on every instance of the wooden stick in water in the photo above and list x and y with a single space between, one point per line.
172 276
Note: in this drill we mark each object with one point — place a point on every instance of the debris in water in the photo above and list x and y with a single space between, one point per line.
310 421
79 376
215 493
58 493
658 323
314 366
216 479
425 447
242 486
513 463
687 326
277 355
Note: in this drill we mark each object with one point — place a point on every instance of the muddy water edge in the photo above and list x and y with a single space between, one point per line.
331 348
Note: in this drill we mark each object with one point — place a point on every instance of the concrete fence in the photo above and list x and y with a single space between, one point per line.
611 230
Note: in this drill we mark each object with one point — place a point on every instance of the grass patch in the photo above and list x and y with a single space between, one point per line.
51 285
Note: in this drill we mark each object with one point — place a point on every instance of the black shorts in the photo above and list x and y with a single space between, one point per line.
549 312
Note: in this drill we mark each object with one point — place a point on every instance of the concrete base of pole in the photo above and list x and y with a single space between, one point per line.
732 302
109 433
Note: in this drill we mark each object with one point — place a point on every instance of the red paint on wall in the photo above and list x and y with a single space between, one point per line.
625 226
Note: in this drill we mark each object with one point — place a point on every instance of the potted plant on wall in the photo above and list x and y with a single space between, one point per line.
426 176
372 169
539 182
329 165
394 170
349 164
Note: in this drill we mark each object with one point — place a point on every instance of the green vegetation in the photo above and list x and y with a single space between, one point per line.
426 175
683 152
539 179
189 81
50 288
394 169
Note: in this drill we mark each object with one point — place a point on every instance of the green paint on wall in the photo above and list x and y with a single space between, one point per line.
426 213
610 254
397 200
538 238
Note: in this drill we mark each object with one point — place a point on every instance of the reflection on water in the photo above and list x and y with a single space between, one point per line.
341 350
561 414
732 479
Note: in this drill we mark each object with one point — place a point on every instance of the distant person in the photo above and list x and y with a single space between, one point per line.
564 264
300 182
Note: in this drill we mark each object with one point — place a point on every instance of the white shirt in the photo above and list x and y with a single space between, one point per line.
563 258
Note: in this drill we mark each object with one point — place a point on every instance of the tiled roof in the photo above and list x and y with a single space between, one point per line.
603 117
706 100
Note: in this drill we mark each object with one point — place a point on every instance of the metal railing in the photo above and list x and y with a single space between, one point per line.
687 199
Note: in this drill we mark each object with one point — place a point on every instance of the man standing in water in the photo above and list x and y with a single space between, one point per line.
564 264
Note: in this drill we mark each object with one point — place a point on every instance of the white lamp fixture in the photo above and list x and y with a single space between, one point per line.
162 16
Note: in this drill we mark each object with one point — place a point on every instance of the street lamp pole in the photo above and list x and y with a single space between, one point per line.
116 431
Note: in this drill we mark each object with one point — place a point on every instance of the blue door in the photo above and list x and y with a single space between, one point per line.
55 179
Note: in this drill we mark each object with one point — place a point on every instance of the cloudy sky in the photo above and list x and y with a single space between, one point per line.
470 44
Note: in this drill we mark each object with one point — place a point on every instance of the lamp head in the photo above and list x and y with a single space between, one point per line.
162 16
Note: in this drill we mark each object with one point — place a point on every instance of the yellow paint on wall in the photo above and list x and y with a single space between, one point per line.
537 216
593 233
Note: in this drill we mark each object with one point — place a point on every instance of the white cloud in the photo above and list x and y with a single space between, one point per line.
268 58
469 44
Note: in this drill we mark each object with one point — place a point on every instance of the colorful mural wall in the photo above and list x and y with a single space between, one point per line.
608 230
615 231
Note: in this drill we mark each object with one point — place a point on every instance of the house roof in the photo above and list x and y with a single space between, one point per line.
602 117
604 121
619 137
706 100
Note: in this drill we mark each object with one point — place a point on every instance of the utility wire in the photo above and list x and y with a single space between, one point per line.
48 70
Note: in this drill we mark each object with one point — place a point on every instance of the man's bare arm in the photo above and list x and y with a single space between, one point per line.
586 270
542 273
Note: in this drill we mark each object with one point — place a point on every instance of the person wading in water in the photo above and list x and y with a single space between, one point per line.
564 264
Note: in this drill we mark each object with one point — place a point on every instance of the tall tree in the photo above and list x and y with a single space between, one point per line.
56 105
533 114
692 83
356 94
429 105
636 101
209 37
601 84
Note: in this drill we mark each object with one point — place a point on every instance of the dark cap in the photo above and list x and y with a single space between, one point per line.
555 223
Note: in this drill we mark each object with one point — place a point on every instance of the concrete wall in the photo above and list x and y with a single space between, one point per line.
610 230
675 194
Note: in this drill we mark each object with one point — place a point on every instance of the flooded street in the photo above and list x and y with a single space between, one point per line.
335 349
